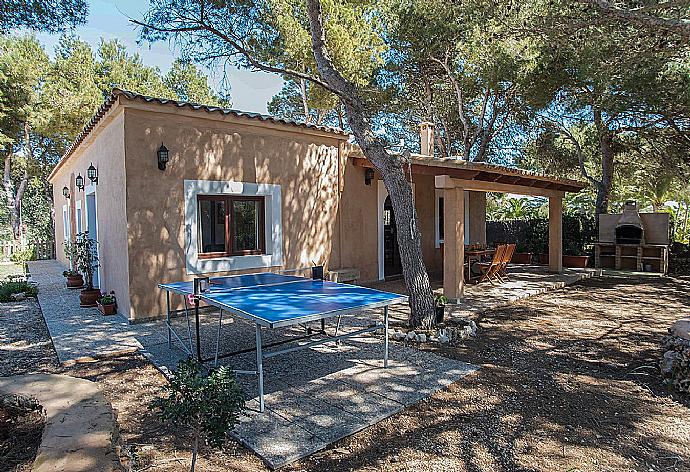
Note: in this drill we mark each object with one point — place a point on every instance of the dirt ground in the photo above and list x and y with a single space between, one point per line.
21 426
568 382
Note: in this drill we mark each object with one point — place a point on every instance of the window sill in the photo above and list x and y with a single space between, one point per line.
215 257
225 263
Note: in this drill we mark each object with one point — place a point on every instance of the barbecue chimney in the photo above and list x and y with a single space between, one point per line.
629 229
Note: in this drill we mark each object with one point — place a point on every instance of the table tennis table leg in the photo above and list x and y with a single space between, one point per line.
198 333
260 367
385 336
220 325
189 325
167 318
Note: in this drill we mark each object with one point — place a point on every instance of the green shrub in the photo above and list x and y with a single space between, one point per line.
107 299
209 405
9 288
28 254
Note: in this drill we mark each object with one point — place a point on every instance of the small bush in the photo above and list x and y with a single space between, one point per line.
209 405
9 288
107 299
25 255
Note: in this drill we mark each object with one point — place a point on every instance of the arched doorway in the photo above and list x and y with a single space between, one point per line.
392 266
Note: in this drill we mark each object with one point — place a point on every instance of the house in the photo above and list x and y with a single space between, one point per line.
174 189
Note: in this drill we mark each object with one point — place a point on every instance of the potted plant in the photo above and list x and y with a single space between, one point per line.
107 304
87 263
74 278
521 255
579 262
575 255
440 307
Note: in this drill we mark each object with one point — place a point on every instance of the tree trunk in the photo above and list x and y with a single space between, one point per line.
685 220
13 198
305 105
194 451
607 164
390 167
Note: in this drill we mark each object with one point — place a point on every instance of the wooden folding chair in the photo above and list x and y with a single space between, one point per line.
491 270
507 256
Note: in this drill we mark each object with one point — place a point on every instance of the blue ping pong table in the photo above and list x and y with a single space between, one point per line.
273 301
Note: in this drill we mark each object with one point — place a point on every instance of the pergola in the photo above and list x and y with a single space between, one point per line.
455 176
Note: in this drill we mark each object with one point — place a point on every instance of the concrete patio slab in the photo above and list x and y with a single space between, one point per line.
320 395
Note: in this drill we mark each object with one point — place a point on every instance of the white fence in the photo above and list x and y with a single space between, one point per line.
44 249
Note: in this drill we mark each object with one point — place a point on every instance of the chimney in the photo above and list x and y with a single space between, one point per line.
630 229
426 137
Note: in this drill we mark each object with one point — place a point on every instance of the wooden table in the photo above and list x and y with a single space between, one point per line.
476 254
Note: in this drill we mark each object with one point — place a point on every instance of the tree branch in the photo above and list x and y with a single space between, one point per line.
460 97
203 26
578 150
640 17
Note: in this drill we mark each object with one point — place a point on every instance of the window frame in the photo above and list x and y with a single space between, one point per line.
229 227
66 223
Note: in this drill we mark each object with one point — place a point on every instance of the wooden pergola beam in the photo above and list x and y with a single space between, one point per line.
448 182
487 181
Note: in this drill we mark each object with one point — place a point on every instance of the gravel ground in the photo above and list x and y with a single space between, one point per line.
568 382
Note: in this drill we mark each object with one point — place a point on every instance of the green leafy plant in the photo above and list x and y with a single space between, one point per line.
440 300
86 258
9 288
25 255
70 273
521 247
71 255
107 299
209 405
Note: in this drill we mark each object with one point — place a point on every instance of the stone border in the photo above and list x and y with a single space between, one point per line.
80 432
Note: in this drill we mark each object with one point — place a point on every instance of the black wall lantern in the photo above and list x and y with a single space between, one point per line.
163 155
65 192
368 175
79 182
92 174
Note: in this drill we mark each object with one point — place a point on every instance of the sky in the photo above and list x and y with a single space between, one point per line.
108 19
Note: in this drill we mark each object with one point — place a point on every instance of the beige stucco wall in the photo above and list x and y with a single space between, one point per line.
425 202
105 149
220 148
477 209
358 220
356 243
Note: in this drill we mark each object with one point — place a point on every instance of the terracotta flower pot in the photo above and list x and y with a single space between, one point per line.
579 262
522 258
75 281
109 309
543 258
89 297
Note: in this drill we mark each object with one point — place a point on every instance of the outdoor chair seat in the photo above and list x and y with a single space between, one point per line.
492 270
507 257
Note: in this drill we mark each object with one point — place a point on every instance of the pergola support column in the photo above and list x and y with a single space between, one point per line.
556 234
453 243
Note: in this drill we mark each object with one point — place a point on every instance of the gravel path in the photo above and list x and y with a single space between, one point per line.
25 346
